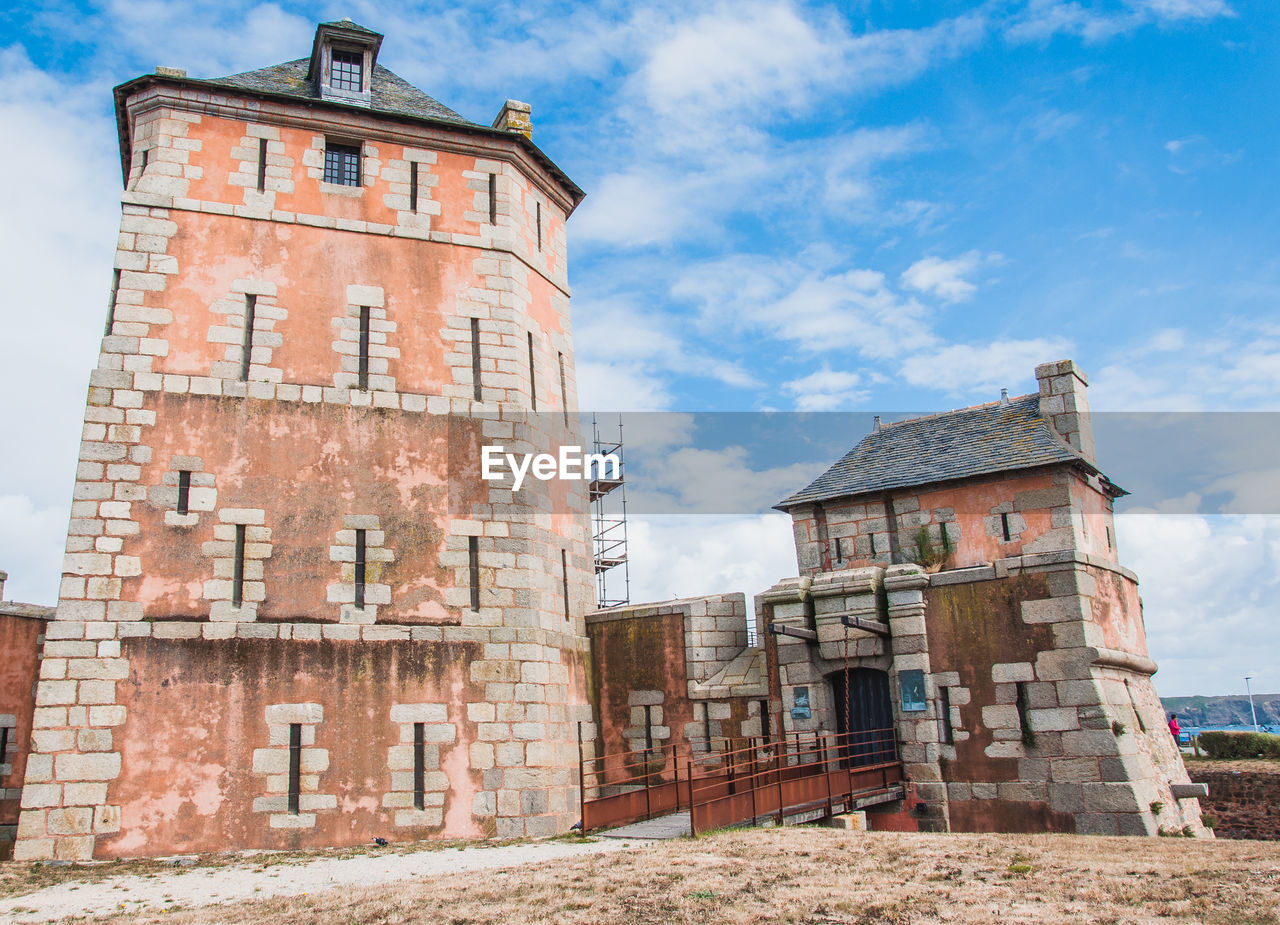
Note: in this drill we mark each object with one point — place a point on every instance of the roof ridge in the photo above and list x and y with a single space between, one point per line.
962 443
939 414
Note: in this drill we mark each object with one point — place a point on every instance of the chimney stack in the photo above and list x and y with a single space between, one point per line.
515 117
1065 406
4 576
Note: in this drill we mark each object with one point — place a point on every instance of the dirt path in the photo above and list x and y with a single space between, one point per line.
188 889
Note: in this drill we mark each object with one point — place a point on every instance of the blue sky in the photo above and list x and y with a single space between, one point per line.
858 206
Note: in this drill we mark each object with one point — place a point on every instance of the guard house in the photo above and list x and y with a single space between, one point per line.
960 604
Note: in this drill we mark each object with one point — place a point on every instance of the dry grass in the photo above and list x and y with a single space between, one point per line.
806 875
18 878
1253 765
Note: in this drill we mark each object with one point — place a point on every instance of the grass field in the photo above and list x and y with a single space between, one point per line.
809 875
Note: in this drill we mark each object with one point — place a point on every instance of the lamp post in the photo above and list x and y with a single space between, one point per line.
1247 678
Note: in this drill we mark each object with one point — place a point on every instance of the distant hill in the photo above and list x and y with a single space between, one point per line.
1224 711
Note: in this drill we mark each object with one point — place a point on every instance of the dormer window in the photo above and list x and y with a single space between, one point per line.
343 58
346 70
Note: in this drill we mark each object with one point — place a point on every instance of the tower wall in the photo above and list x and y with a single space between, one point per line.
166 707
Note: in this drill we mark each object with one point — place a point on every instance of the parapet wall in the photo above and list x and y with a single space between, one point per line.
1245 802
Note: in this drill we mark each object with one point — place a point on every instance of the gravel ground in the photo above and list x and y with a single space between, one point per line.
191 888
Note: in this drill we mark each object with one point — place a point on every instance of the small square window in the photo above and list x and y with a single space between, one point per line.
347 71
342 164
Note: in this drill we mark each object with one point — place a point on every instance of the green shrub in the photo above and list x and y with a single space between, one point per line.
1240 744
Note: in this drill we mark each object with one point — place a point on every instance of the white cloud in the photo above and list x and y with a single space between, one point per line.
640 208
734 57
626 360
1237 370
689 197
1208 587
1042 19
684 556
944 278
962 369
826 390
1186 9
714 481
806 301
1194 153
56 262
31 544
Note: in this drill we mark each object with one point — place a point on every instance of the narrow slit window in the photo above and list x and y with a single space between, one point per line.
363 369
944 710
360 568
237 577
873 545
346 71
475 357
146 158
473 567
493 199
413 186
1004 527
4 744
839 550
533 386
419 766
184 491
564 580
648 728
1111 544
295 767
764 719
1028 735
1137 714
246 347
706 724
564 390
342 164
111 302
537 211
262 165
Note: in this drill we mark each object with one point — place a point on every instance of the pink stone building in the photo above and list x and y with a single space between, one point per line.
291 613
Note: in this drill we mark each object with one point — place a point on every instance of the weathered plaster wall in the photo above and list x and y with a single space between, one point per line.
1048 509
687 661
301 458
194 776
21 641
975 630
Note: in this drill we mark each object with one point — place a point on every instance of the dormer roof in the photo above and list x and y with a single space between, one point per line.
346 33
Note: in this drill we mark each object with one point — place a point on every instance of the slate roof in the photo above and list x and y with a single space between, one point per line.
984 439
389 92
390 95
351 27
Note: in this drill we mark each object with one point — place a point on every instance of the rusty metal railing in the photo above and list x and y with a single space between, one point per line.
727 781
817 771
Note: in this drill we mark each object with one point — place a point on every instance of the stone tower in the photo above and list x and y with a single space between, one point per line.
292 614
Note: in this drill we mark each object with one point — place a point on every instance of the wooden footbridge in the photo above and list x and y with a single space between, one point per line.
727 782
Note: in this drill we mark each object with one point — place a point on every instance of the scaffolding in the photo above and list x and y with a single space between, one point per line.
609 523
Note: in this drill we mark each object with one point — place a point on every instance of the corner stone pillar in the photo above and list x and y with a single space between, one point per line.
918 732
